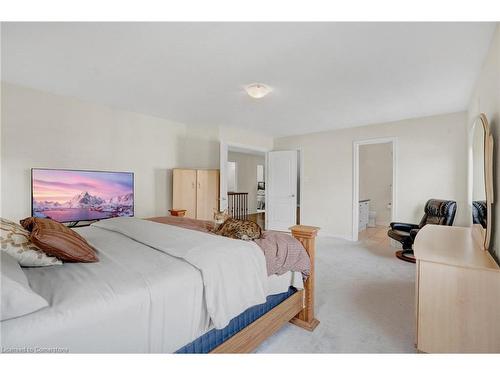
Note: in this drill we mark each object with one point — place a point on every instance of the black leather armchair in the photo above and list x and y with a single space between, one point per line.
479 213
437 211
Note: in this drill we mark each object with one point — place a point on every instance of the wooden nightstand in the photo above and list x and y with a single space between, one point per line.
175 212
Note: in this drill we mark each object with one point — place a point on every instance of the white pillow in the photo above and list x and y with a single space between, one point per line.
17 297
14 240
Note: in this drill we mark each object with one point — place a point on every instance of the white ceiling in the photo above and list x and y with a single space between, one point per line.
324 75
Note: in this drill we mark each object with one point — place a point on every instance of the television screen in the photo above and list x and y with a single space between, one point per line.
72 195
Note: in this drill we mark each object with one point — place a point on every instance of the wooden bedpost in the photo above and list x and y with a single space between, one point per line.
305 319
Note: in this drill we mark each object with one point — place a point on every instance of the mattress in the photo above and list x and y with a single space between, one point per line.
213 338
134 300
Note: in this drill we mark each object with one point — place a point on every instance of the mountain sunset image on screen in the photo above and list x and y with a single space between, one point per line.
71 195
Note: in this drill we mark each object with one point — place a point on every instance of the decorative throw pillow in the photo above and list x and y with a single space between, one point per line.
14 240
17 297
58 240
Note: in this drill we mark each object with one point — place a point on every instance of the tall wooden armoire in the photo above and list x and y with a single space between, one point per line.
196 191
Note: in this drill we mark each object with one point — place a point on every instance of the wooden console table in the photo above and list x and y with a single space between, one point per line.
457 293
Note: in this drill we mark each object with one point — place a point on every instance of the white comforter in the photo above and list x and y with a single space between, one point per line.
134 300
233 271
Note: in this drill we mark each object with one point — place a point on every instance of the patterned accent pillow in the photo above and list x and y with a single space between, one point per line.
14 240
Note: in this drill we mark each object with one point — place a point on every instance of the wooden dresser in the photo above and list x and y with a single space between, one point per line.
457 293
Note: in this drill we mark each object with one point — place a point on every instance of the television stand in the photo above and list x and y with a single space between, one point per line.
74 224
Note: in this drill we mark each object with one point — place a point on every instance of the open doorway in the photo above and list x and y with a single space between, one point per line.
246 184
261 185
374 198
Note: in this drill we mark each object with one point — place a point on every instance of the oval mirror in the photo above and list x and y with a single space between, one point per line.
482 180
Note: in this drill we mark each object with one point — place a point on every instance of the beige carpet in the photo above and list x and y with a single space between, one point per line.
364 300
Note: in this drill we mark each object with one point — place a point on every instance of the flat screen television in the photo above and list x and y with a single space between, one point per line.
78 195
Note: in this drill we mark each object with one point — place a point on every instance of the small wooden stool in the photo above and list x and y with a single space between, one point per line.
175 212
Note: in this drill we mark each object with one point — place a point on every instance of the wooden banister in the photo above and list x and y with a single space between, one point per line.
238 205
307 236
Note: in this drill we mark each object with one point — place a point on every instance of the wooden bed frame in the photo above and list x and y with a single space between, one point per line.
297 309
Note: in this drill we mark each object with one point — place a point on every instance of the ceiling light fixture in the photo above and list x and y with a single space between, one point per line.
257 90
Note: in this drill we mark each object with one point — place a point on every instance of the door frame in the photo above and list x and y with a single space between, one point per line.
355 174
224 148
300 193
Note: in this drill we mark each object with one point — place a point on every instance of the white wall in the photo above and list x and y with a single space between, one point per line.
431 164
247 175
201 145
486 98
199 148
40 129
232 181
375 179
243 137
45 130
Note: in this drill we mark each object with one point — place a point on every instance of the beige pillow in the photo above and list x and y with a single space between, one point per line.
14 240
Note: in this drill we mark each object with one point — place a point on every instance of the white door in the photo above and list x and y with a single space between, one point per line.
223 176
281 206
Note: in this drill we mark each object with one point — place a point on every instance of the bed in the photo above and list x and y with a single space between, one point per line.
162 289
